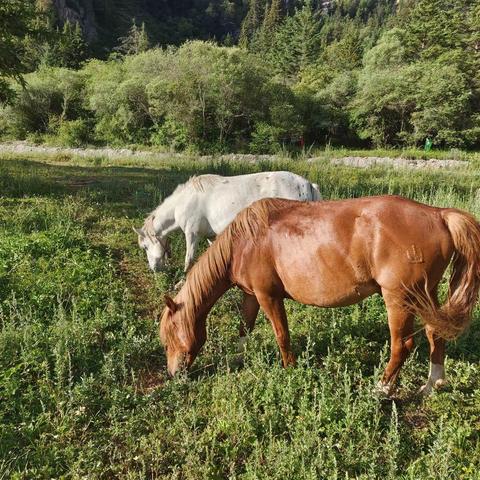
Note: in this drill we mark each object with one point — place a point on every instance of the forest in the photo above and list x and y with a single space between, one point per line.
252 76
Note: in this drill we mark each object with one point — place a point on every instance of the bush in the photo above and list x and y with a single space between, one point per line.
170 134
218 94
74 133
51 95
198 96
265 139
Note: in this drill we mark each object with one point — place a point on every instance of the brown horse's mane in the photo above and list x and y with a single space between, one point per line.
214 263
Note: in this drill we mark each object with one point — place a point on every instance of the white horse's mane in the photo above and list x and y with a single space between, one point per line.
200 183
203 182
148 224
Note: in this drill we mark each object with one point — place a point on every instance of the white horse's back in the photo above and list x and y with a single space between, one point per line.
227 196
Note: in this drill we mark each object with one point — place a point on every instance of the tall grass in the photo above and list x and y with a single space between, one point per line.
83 389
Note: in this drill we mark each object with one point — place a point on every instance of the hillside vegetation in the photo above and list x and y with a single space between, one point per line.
83 387
355 73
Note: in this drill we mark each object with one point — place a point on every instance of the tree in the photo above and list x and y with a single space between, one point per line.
434 26
15 23
400 101
71 47
296 42
442 105
385 99
251 23
274 15
50 97
64 47
218 95
135 42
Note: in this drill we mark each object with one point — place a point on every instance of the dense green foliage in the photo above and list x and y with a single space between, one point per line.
200 95
83 389
352 72
15 24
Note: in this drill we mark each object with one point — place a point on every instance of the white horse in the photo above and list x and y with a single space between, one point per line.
205 205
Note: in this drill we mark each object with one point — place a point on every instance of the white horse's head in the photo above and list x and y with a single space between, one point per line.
157 249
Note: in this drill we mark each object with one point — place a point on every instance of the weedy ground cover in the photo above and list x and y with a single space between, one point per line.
83 389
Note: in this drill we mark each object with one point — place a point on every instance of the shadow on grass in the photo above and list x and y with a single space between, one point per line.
116 189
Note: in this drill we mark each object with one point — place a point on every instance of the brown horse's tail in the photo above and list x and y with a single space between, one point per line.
452 318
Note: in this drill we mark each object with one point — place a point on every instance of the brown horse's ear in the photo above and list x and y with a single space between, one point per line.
139 232
170 303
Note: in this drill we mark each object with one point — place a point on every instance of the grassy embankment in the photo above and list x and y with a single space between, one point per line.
83 393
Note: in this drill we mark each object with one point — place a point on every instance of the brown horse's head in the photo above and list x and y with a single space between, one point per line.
182 337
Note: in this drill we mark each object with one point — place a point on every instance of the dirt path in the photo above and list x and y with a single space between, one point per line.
364 162
116 153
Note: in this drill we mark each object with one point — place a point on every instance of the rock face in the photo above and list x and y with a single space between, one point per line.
167 22
80 11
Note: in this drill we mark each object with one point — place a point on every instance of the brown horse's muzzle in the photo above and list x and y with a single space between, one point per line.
181 363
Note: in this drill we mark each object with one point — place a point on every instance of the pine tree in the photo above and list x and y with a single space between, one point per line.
228 40
433 27
71 48
251 23
136 41
296 42
274 15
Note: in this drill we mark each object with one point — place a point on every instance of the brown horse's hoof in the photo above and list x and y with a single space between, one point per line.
428 388
290 360
242 344
384 390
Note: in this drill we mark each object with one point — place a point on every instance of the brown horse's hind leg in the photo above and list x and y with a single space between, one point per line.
250 308
275 311
400 322
436 378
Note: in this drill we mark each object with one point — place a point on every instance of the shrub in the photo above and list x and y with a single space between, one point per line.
218 94
199 96
170 134
74 133
265 139
51 95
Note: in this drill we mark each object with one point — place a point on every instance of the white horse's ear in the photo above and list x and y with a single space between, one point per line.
139 232
170 303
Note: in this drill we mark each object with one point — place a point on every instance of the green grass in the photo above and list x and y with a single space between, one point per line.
83 389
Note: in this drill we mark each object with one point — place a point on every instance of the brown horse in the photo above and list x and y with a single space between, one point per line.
333 254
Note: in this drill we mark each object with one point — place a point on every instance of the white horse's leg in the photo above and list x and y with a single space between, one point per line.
191 239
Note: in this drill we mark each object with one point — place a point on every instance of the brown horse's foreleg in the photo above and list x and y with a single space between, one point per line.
275 311
436 377
400 323
250 308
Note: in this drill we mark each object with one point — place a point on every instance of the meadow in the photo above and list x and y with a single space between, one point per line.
83 387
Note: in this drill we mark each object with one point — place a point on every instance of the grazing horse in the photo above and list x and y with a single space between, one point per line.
206 204
332 254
